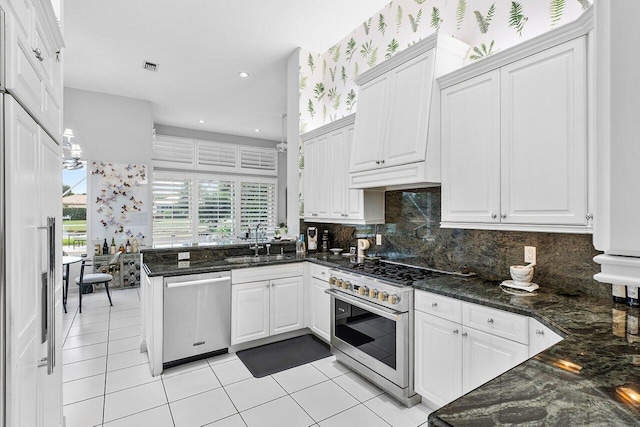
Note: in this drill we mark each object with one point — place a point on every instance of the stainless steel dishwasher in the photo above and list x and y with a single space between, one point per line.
197 317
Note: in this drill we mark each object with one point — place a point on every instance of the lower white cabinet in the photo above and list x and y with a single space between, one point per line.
438 347
320 318
264 308
485 356
452 358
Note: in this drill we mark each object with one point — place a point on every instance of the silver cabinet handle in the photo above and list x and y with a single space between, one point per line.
589 216
377 162
38 53
503 216
315 214
434 304
494 216
267 285
490 321
464 334
455 332
382 161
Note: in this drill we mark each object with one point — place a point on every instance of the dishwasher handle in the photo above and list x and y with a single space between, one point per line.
199 282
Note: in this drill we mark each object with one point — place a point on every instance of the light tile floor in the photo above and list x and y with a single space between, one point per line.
107 382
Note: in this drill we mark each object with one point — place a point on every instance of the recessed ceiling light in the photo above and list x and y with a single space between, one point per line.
257 130
243 74
200 121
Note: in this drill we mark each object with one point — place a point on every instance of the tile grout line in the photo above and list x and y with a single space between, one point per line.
168 405
106 364
296 402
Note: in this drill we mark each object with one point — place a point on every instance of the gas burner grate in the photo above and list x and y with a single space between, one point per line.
401 274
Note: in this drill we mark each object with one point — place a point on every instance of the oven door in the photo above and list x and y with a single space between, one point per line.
377 337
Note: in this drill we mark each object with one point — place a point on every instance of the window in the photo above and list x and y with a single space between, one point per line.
173 209
199 207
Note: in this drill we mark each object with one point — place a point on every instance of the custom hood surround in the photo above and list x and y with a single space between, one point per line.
397 133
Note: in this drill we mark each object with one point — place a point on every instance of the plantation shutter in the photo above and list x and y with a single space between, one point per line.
216 207
216 156
258 203
173 152
173 208
259 161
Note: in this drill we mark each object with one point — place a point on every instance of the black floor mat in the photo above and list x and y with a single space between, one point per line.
279 356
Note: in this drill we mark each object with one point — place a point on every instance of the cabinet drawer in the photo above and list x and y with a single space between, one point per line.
497 322
245 275
438 305
320 272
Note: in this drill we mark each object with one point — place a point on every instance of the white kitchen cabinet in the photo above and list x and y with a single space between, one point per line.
395 138
33 72
438 355
514 144
327 196
262 308
320 306
485 356
460 345
249 311
540 337
471 150
286 305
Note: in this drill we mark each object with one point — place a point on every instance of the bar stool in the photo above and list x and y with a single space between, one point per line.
86 280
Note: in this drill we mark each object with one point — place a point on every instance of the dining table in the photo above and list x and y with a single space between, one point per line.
67 260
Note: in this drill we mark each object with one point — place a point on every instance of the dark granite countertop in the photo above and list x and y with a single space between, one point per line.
599 335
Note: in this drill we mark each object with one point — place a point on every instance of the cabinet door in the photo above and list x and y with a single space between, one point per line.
310 178
320 309
438 358
485 356
408 112
24 279
471 150
369 130
540 337
249 311
337 168
354 198
544 142
286 305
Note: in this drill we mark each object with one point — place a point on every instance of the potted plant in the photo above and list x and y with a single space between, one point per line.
283 230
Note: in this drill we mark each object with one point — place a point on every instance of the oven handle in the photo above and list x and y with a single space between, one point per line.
380 311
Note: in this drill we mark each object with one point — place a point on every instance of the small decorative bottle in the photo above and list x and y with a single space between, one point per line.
134 245
127 247
105 247
112 248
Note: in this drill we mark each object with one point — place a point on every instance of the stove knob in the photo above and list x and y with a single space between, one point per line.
382 296
394 299
363 290
346 284
339 283
373 293
332 280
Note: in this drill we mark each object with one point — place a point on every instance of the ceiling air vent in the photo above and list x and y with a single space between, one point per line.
150 66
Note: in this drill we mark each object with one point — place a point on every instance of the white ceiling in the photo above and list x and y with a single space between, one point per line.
201 45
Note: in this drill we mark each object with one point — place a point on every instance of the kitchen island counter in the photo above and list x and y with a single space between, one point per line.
599 386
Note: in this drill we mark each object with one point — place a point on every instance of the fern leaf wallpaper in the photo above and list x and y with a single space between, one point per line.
488 26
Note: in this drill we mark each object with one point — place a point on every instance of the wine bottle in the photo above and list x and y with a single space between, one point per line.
632 296
105 247
112 248
128 247
619 293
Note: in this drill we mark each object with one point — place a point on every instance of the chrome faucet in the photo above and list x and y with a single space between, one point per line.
256 246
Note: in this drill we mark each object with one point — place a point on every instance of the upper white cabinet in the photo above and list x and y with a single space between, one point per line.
514 144
396 141
327 196
33 52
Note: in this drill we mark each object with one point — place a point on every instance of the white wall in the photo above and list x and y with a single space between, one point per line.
109 128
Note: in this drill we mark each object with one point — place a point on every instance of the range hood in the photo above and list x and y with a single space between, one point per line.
397 130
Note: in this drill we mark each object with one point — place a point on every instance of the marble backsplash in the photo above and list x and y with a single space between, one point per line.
412 229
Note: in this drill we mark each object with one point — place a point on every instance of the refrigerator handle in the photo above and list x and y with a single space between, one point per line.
51 288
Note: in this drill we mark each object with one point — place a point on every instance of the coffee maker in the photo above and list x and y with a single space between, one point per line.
324 247
312 237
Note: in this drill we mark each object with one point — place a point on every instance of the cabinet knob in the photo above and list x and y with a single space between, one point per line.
38 53
434 304
377 162
589 216
267 285
494 216
503 216
490 321
382 161
464 334
455 332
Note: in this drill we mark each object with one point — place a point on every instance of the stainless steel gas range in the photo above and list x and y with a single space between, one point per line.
372 323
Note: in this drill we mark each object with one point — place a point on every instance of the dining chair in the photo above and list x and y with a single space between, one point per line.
86 280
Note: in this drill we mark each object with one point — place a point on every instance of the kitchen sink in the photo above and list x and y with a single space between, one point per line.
250 259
